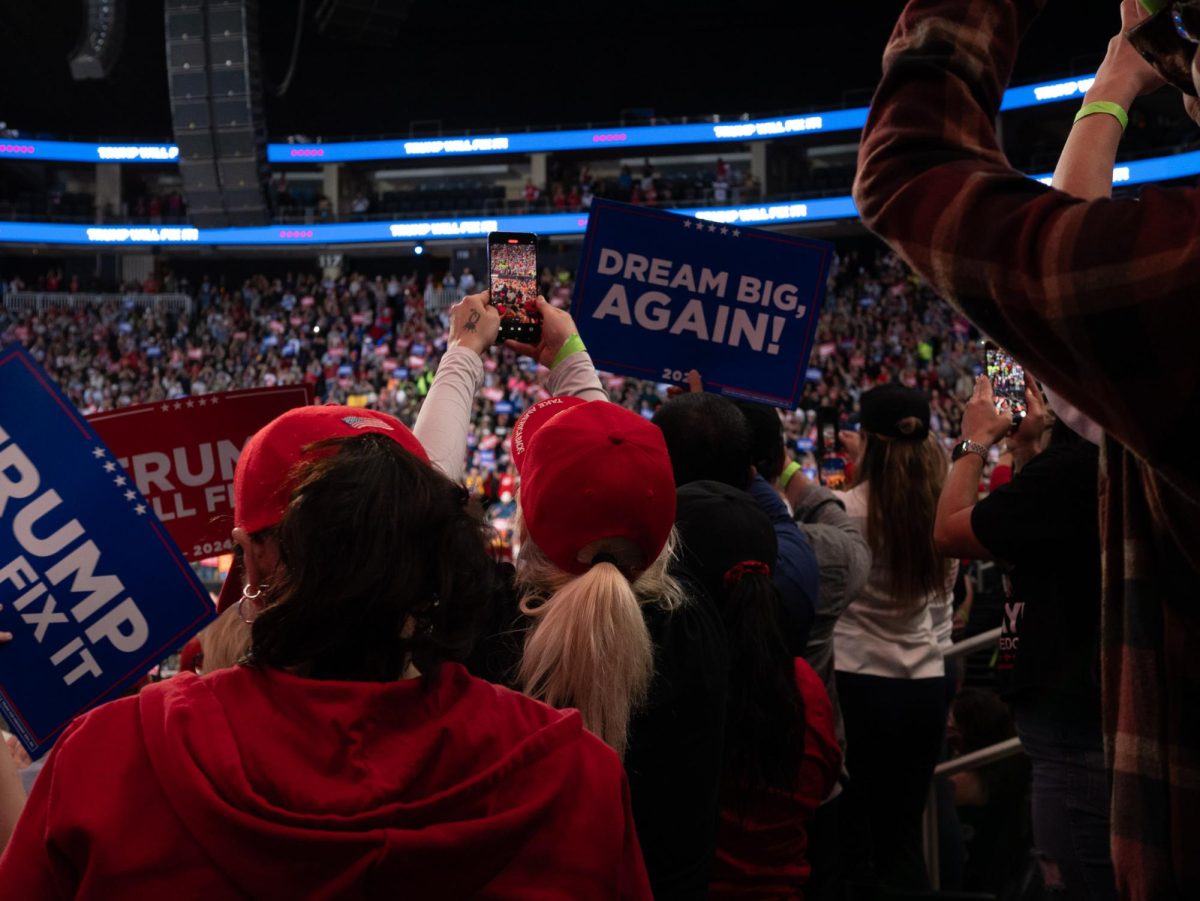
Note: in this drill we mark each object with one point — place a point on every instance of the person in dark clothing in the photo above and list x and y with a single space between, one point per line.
1042 527
708 438
781 755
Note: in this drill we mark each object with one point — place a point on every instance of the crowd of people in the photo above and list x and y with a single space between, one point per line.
697 671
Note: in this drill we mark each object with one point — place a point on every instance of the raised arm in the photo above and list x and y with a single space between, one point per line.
1098 297
1085 168
445 414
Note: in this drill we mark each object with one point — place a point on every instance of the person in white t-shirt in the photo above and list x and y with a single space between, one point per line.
888 643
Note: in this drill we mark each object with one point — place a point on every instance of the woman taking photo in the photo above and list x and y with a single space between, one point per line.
349 756
597 617
888 643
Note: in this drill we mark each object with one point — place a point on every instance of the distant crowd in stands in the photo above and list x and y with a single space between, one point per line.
377 341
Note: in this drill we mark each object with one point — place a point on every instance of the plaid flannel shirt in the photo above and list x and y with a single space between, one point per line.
1101 300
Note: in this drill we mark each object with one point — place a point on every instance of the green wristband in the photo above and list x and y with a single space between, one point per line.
788 471
1104 106
572 345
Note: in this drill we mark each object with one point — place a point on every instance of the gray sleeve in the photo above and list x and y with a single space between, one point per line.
843 565
445 415
576 377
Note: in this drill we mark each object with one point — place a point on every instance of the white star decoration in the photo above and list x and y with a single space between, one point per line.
202 402
736 232
178 405
98 452
130 494
166 408
110 466
119 481
687 223
712 228
724 230
141 509
213 401
190 404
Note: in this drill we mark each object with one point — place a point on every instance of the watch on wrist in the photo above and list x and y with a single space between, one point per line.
967 446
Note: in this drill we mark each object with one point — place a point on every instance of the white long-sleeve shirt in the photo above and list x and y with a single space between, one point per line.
445 416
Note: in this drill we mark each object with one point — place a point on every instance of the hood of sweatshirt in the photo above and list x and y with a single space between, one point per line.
296 787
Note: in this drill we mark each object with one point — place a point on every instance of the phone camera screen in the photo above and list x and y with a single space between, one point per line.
1008 381
513 283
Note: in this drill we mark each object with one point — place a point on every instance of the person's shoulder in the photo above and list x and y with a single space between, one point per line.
526 720
856 499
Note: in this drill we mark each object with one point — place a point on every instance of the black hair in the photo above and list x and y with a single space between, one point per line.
381 564
707 438
766 439
721 527
764 730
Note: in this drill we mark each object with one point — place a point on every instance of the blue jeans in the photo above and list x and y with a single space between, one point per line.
1071 796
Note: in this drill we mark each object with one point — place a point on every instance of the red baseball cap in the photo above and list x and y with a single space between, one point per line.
591 470
265 473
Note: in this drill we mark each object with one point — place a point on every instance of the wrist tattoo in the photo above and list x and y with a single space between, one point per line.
471 320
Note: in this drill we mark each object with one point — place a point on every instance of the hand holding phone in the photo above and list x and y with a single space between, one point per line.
512 278
1008 381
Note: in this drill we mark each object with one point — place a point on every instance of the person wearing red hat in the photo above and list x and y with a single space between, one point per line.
350 756
597 616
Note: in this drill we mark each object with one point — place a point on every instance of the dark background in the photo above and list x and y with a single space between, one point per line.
474 65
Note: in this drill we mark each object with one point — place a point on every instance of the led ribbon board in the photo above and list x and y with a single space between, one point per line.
1184 165
642 136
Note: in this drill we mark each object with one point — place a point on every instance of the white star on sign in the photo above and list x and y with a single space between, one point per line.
213 401
110 466
736 232
141 509
98 452
712 228
119 481
178 405
203 401
190 404
130 494
724 230
166 408
687 223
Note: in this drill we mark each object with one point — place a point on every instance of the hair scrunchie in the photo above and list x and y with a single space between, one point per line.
738 571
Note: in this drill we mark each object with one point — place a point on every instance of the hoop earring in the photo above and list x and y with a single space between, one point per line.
247 595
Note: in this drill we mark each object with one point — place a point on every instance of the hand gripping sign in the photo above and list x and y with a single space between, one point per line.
180 454
91 586
659 294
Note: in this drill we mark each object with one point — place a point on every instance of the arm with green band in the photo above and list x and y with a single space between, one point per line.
572 345
1106 107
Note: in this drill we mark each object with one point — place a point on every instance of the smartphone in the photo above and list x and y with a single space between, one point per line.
831 457
1008 381
512 281
832 472
828 442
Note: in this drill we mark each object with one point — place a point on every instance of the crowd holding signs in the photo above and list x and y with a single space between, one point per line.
100 518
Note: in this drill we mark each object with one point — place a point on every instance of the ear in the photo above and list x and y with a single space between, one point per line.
259 558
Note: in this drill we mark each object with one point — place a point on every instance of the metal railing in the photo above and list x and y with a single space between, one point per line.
41 301
974 760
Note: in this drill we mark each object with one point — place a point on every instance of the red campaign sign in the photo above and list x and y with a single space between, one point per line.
181 453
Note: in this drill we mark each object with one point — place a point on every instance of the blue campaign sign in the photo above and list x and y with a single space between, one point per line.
659 294
92 588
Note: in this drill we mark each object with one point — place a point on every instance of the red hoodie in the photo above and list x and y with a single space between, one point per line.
761 854
254 783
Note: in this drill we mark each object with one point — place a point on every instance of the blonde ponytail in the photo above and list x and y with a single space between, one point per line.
590 648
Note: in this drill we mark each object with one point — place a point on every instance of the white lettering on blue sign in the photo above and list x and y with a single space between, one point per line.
72 573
